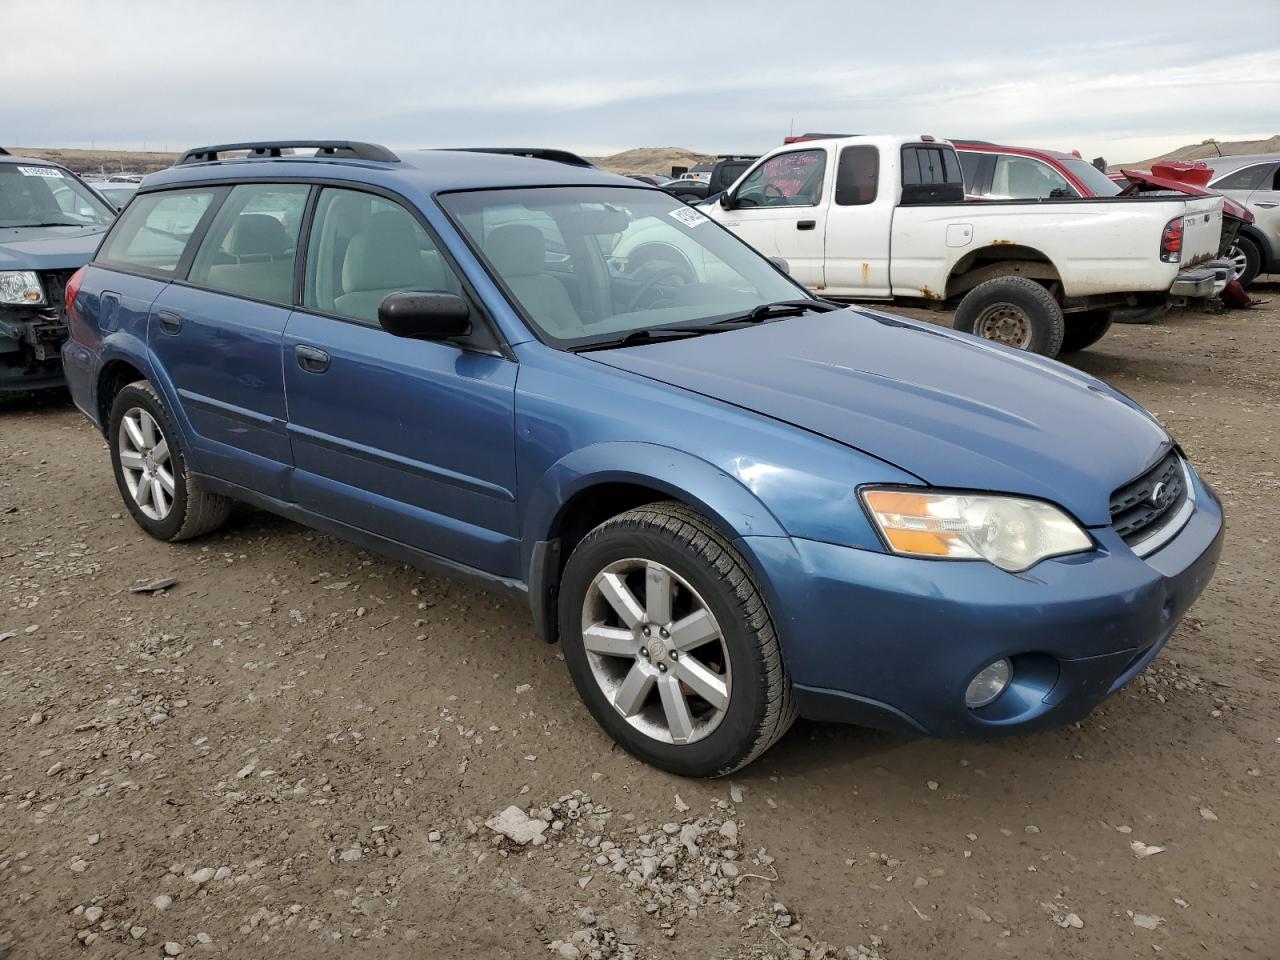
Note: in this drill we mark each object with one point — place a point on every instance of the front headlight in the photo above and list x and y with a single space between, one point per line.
21 286
1011 532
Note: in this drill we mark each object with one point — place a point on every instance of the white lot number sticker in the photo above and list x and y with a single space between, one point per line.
689 216
53 172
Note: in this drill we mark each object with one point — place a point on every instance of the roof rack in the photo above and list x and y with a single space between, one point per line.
345 149
533 153
737 156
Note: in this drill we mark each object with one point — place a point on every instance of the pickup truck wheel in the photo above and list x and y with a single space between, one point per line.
151 469
1014 311
670 644
1085 329
1139 314
1246 258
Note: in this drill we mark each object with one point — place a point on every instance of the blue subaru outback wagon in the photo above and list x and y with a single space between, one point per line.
729 501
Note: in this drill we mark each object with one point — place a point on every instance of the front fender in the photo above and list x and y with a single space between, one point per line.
702 485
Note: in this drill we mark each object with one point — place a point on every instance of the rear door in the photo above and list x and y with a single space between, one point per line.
1264 203
218 334
780 208
410 440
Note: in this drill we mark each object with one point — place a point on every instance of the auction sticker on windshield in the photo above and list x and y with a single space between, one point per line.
688 216
41 172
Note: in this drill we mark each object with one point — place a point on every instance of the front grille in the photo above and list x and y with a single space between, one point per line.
1142 507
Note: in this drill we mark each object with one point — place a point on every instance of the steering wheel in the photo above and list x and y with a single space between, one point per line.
776 195
671 270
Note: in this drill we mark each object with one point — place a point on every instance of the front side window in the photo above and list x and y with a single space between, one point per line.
364 247
787 180
857 176
1022 178
251 245
591 264
152 234
42 196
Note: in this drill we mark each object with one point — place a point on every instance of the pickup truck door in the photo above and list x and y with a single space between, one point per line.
780 208
859 224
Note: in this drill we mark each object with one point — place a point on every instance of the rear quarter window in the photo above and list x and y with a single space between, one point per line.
152 235
1250 178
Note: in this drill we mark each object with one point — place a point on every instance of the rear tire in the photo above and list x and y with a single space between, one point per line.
675 571
1085 329
151 469
1014 311
1247 258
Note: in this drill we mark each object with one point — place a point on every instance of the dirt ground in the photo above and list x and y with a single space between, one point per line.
293 750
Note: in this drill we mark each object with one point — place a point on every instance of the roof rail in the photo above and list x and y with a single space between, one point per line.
533 153
976 143
346 149
737 156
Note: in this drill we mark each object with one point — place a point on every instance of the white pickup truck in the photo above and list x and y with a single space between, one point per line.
879 217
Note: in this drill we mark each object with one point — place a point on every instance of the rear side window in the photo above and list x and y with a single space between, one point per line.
1250 178
152 235
364 247
857 176
251 246
931 174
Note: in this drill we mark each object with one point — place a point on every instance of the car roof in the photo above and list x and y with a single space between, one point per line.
981 146
30 161
1236 161
417 172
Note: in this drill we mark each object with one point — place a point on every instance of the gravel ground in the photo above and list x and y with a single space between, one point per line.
297 750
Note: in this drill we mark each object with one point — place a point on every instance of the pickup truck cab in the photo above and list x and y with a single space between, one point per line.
884 217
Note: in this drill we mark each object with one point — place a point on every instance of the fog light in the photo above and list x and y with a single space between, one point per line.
988 683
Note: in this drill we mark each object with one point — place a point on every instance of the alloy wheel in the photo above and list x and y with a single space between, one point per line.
656 651
1239 262
146 463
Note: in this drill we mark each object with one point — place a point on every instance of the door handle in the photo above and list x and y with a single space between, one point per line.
1267 204
170 323
310 359
806 224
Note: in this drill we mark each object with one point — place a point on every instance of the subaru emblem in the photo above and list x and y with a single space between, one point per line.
1159 495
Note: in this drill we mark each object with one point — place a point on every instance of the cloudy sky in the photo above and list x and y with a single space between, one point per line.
600 77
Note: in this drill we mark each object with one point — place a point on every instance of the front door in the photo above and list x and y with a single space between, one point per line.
409 440
780 208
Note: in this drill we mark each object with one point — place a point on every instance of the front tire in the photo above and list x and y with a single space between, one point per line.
1014 311
1246 259
151 469
670 644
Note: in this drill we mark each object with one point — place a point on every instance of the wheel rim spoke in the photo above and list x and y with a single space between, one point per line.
131 460
157 496
694 630
630 697
143 494
160 452
134 431
609 641
166 480
657 593
676 709
709 686
620 597
148 427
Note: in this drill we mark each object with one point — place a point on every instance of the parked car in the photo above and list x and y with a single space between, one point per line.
885 217
695 187
1254 181
731 502
116 193
652 179
50 223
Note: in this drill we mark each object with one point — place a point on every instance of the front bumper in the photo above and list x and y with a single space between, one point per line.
892 642
30 343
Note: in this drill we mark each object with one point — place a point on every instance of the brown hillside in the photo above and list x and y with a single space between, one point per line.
100 161
650 160
1203 151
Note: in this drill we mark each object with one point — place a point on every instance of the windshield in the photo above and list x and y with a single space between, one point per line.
1097 182
589 264
34 196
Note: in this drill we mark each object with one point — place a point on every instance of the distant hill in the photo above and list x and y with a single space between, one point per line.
1203 151
650 160
100 161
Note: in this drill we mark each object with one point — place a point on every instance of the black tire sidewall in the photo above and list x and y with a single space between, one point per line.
738 731
128 398
1253 256
1035 302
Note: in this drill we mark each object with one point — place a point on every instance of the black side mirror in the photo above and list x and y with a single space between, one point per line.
425 316
727 201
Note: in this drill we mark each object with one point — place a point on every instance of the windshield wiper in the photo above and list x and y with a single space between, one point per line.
783 308
51 223
645 335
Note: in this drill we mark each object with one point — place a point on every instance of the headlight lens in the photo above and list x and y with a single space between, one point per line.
20 286
1011 532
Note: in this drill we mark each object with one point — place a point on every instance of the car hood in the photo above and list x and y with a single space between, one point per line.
48 248
954 410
